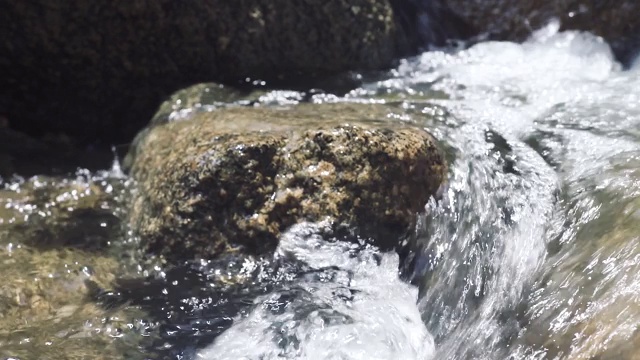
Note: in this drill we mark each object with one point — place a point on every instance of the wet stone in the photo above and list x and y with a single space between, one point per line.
595 324
234 179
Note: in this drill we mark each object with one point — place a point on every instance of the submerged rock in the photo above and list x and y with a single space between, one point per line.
98 70
45 307
238 177
52 260
62 214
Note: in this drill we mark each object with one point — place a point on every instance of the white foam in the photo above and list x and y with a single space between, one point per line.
359 310
566 86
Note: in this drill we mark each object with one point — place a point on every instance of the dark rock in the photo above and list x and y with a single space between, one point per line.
98 69
236 178
429 23
616 21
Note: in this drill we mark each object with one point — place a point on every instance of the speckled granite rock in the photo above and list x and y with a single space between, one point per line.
236 178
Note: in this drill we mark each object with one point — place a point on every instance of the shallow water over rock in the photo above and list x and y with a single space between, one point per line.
60 240
532 253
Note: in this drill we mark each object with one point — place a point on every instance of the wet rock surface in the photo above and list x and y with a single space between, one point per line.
234 179
98 70
604 310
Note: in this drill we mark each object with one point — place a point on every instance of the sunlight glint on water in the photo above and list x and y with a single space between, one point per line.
349 305
561 98
533 252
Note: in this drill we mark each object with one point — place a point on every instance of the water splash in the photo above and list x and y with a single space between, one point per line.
515 119
532 253
545 145
347 303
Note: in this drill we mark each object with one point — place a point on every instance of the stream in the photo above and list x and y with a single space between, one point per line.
531 253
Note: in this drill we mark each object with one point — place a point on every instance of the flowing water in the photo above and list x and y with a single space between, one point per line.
531 253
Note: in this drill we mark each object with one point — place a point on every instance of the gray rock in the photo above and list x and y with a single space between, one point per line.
236 178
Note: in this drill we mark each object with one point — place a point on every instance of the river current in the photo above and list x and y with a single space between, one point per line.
532 252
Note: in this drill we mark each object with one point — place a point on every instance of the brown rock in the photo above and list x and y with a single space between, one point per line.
49 278
98 69
238 177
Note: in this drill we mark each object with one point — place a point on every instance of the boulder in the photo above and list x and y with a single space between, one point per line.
235 178
97 70
616 21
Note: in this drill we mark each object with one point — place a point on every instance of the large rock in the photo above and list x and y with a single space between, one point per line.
616 21
237 177
98 69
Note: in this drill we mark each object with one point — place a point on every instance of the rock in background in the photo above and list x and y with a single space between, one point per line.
97 70
55 237
236 178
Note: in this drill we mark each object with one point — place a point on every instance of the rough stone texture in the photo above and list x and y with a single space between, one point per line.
98 69
237 177
616 21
